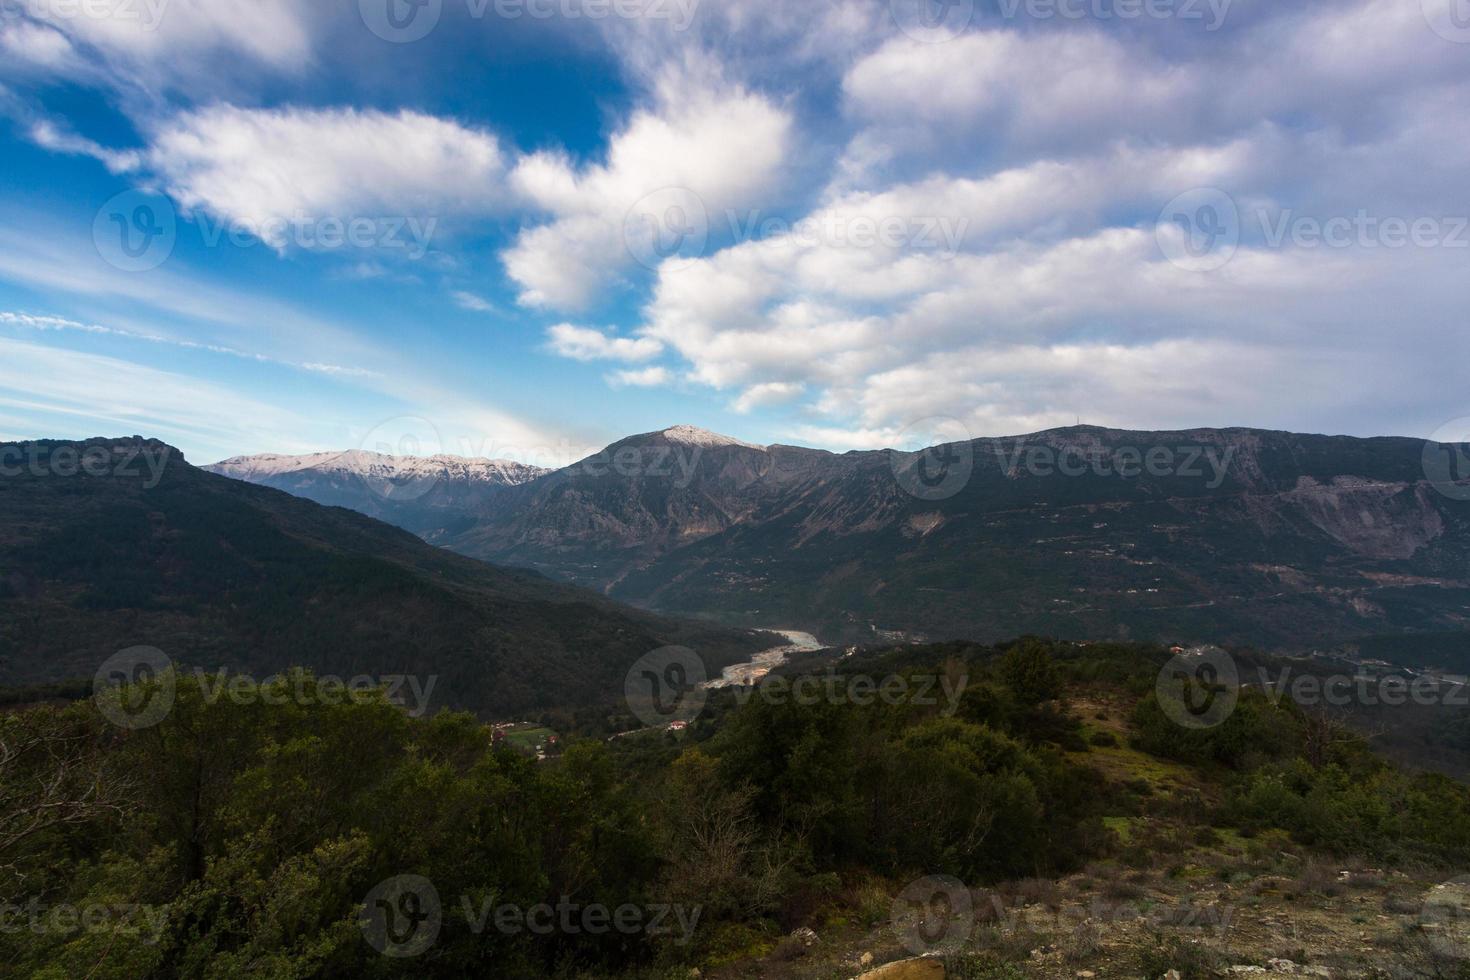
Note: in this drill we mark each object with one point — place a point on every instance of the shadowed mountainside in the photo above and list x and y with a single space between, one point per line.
217 572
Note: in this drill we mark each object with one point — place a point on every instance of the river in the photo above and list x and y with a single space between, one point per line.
762 663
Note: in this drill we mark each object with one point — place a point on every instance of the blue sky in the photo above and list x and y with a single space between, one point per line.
527 227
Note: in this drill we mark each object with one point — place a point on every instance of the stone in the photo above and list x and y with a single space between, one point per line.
922 968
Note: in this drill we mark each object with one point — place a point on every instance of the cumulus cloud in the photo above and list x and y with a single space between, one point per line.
768 393
712 147
1036 89
649 377
270 168
1013 270
586 344
975 222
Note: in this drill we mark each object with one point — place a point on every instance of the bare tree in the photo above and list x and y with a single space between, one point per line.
55 772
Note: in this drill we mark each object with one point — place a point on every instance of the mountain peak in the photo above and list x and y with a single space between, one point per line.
693 435
363 462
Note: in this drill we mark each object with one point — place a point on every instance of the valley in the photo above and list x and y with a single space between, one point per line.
1272 539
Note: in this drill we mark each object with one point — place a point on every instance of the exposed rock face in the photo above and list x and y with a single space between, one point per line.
1230 535
429 495
1223 535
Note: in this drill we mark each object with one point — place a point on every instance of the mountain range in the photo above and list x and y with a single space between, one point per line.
427 495
217 572
1247 536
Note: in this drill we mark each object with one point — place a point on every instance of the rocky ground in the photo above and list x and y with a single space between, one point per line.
1180 900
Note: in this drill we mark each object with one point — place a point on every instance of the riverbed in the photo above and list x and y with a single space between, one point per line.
762 663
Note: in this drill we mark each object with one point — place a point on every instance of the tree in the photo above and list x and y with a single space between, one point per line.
55 774
1028 670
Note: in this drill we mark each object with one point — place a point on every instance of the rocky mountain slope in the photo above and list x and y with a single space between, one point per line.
1223 535
216 572
1232 535
428 495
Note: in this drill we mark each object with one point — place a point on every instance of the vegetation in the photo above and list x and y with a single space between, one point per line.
249 837
218 573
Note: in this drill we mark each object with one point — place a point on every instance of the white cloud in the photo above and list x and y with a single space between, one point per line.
183 39
1037 88
769 393
191 310
36 45
55 323
269 168
84 395
57 138
1051 152
472 302
586 344
649 377
719 147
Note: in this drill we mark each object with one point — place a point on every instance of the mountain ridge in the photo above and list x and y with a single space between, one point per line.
1236 534
220 572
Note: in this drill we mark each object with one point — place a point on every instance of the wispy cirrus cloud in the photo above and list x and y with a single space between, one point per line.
31 321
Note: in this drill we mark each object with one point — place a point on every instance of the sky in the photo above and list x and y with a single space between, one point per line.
524 228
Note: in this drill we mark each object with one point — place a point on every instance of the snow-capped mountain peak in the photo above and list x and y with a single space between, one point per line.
361 462
692 435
